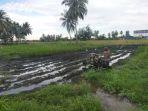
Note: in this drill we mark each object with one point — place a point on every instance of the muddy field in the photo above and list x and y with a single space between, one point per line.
28 74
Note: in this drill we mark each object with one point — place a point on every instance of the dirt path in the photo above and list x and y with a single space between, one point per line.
113 103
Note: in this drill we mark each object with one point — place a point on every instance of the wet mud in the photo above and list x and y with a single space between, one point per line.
27 74
114 103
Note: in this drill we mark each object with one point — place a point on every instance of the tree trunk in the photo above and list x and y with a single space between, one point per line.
11 39
76 36
5 41
70 37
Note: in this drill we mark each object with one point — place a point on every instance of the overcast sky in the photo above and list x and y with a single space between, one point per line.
103 15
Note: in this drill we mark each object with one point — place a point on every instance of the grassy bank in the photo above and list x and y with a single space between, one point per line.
52 98
128 80
44 49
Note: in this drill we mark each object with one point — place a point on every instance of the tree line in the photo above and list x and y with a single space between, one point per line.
50 38
86 33
10 29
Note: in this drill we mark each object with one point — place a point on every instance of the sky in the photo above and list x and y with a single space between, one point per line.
103 15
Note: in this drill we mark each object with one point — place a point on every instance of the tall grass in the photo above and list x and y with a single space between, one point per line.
129 80
45 49
53 98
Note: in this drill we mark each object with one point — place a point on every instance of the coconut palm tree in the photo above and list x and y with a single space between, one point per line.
121 33
69 23
109 35
20 31
3 21
9 29
4 25
9 34
26 29
77 10
17 30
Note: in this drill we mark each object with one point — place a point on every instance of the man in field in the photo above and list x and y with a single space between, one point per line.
94 60
106 58
97 62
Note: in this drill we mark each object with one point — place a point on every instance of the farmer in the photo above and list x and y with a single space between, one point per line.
91 59
106 57
96 61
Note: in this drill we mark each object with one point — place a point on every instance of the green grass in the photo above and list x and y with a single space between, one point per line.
52 98
45 49
128 80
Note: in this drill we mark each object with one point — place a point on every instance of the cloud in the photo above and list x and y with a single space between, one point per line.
108 15
104 15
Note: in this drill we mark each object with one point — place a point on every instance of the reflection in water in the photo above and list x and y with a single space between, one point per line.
120 58
37 74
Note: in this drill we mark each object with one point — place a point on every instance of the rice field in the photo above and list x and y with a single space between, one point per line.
46 49
27 75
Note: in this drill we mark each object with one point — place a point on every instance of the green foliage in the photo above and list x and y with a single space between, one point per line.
85 103
84 33
53 98
3 106
77 9
129 80
9 29
69 23
114 34
49 38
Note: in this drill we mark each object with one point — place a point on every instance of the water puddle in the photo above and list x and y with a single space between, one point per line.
120 58
113 103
